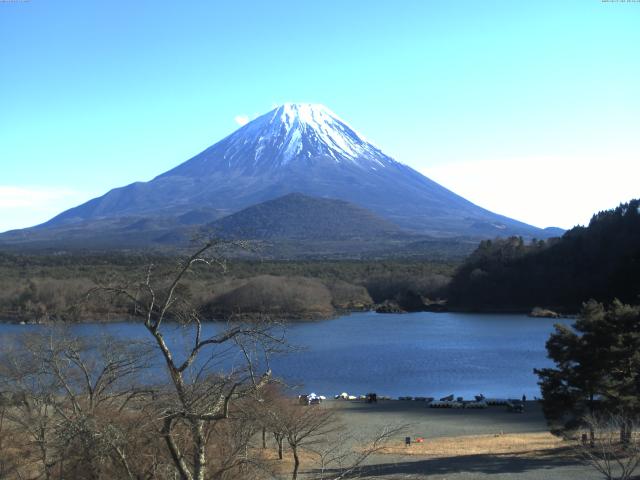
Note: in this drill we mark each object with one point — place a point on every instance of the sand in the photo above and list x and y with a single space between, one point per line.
459 444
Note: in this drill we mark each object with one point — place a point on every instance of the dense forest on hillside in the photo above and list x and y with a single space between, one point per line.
600 261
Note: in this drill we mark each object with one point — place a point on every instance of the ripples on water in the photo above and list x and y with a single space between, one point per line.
417 354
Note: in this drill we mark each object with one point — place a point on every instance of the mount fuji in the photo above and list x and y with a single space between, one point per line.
295 148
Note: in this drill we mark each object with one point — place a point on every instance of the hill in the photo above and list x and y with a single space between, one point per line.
300 217
600 261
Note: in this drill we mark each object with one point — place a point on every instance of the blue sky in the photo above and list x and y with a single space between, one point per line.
530 109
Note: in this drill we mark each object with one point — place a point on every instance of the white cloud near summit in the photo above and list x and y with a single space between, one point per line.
241 120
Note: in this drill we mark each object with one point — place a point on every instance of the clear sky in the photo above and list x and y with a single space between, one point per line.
530 109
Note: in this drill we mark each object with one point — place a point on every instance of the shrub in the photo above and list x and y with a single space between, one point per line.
289 297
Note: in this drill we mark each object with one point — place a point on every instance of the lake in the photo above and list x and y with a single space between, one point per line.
416 354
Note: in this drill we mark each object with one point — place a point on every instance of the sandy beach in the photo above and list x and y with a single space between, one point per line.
460 444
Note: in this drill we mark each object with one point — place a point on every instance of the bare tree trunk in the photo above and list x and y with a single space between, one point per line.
264 437
592 433
279 441
624 434
125 463
177 457
2 426
296 462
48 466
200 460
626 430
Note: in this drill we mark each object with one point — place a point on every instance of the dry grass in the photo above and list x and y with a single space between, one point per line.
270 461
500 444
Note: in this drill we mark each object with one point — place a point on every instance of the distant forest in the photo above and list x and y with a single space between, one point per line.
601 262
49 288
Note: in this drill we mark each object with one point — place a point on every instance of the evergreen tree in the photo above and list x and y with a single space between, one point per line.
597 367
600 261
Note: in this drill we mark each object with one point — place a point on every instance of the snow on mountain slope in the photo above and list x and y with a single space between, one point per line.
328 133
291 133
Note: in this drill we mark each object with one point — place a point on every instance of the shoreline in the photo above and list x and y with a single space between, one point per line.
16 319
422 421
460 444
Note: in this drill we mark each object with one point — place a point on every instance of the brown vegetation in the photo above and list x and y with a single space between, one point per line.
610 444
281 297
498 444
52 288
99 408
72 408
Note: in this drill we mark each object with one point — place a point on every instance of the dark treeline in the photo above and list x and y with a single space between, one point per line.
601 261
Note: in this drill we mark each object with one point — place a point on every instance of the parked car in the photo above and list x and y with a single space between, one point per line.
515 406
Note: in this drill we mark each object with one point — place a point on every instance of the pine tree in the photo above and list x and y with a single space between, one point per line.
597 367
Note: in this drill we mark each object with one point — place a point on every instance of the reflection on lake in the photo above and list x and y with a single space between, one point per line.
418 354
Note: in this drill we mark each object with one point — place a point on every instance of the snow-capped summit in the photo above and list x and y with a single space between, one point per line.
304 148
293 132
323 130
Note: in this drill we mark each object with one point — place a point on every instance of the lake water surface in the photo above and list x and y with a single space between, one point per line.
417 354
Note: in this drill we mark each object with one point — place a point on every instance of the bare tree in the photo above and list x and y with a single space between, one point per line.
271 411
232 442
339 459
66 396
606 452
202 383
304 426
